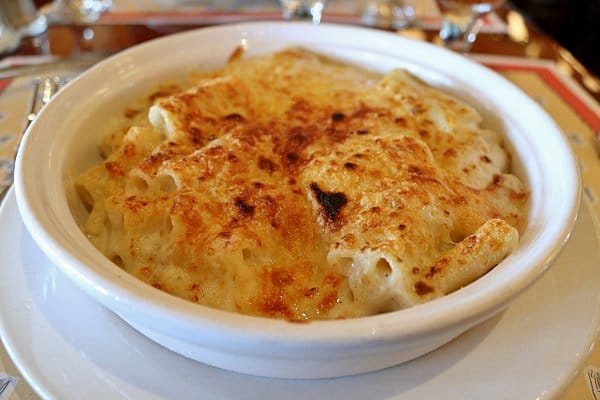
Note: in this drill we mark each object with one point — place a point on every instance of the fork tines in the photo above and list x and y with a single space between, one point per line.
45 89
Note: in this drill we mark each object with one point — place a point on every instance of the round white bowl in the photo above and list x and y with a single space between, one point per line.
63 141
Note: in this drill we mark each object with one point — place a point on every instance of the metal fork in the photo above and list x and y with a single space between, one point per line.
43 91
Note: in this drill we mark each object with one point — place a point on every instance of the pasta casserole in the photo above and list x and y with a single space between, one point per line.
290 185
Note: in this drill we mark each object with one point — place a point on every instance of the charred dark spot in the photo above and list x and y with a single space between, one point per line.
516 195
224 234
232 157
497 179
297 138
258 185
337 135
349 165
416 270
244 208
134 198
154 160
451 152
267 164
129 150
485 159
413 169
459 200
281 277
400 121
337 116
196 135
402 227
327 301
421 288
273 304
114 168
292 158
234 117
440 265
362 132
332 202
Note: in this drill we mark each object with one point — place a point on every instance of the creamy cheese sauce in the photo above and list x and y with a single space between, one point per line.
294 186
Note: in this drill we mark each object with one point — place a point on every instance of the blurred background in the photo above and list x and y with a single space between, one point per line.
574 24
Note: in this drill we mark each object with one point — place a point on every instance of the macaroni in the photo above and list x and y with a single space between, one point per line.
293 186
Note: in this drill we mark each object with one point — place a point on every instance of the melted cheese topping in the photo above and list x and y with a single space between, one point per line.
293 186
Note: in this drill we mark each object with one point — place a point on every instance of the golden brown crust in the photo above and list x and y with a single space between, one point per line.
293 186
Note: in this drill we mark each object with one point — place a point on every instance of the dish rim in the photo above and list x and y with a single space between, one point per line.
127 293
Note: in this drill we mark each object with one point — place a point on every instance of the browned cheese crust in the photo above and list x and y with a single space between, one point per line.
294 186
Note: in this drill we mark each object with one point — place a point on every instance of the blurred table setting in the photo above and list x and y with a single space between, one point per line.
62 38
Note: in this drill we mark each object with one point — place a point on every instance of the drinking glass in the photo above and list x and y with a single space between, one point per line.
394 14
9 38
23 17
78 11
311 10
461 21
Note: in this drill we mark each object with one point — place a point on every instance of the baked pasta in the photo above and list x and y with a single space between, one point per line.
293 186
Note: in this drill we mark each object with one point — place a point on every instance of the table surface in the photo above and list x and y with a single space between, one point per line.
123 28
119 30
